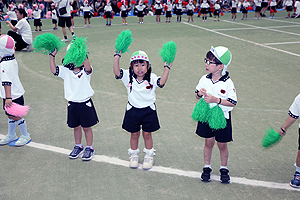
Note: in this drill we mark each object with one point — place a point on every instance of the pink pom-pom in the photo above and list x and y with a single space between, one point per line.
29 12
49 13
41 6
39 0
6 17
48 16
17 110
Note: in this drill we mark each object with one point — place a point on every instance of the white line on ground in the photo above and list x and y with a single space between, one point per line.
278 43
236 38
160 169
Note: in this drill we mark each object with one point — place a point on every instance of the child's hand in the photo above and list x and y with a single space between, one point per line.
53 53
202 92
118 54
8 102
211 99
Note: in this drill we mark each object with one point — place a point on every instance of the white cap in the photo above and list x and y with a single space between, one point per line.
223 55
7 46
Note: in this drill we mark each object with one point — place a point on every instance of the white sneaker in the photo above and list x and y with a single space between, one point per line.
148 162
29 47
134 161
65 40
8 138
22 140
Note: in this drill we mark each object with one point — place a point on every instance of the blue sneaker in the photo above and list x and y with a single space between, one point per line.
224 176
76 152
88 154
296 180
205 176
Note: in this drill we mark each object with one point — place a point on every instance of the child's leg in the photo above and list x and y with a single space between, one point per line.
134 140
192 18
36 28
78 134
209 144
148 140
298 159
88 136
89 20
223 153
24 138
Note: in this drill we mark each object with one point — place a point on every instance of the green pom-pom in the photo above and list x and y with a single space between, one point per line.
123 41
200 111
270 138
168 52
216 119
77 52
46 43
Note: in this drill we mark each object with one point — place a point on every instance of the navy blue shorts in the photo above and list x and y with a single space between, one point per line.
135 118
19 101
64 21
83 114
221 135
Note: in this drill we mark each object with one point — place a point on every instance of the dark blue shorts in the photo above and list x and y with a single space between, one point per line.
135 118
221 135
83 114
19 101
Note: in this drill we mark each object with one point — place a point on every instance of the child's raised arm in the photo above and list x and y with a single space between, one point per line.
165 75
52 61
116 66
87 66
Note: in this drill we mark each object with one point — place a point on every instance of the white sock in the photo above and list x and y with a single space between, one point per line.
79 145
209 166
223 167
23 127
91 147
297 168
11 127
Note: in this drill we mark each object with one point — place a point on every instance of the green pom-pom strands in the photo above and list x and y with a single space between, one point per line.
270 138
168 52
123 41
214 116
200 111
77 53
47 43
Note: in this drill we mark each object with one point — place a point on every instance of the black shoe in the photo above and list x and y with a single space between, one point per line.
76 152
205 176
88 154
296 180
224 176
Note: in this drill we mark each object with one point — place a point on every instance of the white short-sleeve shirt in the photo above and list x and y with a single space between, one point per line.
142 94
294 110
77 86
10 74
224 89
24 30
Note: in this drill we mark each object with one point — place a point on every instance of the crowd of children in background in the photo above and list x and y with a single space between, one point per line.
108 8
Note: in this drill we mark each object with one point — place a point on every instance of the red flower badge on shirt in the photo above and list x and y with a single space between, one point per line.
223 91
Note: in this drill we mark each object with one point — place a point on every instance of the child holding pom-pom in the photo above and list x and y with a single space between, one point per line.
37 17
214 121
54 15
12 14
11 91
108 13
76 72
141 110
294 113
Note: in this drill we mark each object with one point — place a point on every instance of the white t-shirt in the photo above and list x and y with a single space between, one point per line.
77 86
294 110
233 4
54 14
10 73
141 95
12 15
224 89
140 7
64 3
24 30
37 14
297 5
108 8
258 3
86 8
273 3
288 3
